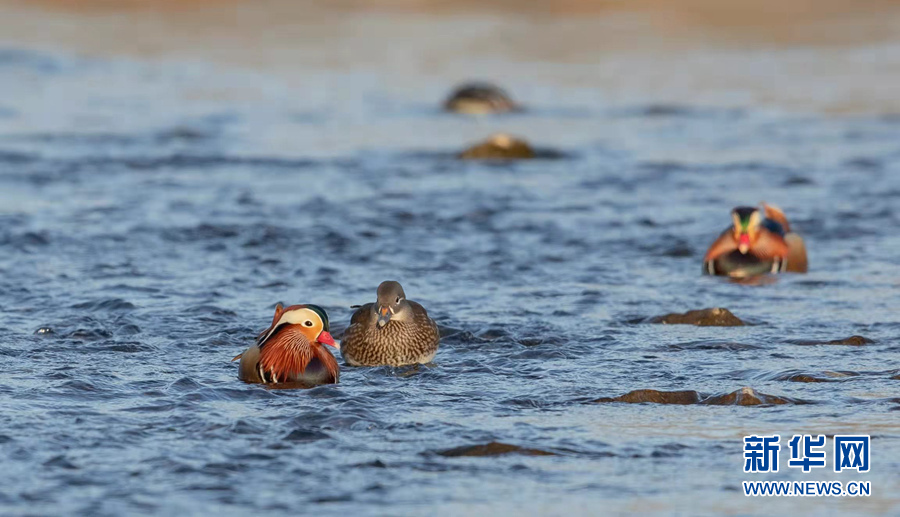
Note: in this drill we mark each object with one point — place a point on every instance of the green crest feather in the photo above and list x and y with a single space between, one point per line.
322 314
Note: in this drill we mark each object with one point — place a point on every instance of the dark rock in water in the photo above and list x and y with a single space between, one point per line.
656 397
306 435
716 317
850 341
492 449
803 377
747 397
479 99
813 376
499 147
741 397
798 180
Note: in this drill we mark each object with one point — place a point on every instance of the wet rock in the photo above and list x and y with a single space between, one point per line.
105 305
850 341
306 435
711 345
492 449
500 146
479 98
377 464
802 377
823 376
794 181
741 397
746 397
656 397
716 317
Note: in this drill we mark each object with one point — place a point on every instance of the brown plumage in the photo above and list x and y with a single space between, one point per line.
291 350
393 331
479 98
756 245
796 257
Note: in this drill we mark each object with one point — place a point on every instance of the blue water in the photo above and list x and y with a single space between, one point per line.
152 214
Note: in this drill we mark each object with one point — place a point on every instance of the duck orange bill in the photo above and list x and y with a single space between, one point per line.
326 339
384 316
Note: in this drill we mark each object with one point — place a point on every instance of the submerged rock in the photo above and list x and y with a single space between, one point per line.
499 147
478 99
716 317
824 376
492 449
850 341
747 397
742 397
803 377
656 397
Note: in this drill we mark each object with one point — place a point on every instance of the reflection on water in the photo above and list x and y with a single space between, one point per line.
152 214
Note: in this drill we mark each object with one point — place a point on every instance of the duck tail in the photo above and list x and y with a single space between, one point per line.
776 214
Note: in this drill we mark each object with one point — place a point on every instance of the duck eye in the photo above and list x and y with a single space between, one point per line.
398 300
308 323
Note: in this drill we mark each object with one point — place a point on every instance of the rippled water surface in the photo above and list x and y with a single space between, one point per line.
152 214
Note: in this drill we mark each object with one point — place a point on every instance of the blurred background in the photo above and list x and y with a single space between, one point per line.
830 55
169 170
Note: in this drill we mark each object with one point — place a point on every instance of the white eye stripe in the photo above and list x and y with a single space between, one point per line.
295 317
298 316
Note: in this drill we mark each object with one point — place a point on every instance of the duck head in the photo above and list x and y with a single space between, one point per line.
295 337
746 227
391 303
309 320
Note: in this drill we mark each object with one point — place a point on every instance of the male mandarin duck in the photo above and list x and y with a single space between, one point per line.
291 350
479 99
756 244
393 331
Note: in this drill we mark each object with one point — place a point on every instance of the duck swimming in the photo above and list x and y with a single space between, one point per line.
757 243
479 99
291 350
393 331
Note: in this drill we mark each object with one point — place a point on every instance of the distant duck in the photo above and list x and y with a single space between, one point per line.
291 351
478 99
757 243
393 331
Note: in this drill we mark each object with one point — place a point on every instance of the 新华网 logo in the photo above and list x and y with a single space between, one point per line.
851 453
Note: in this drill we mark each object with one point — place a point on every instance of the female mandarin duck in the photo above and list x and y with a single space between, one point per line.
291 351
756 244
393 331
